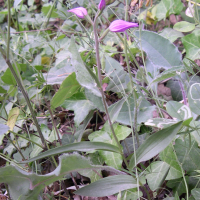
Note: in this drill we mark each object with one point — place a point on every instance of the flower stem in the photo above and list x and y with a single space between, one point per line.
101 90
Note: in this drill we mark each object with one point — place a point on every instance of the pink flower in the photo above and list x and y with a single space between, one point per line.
80 12
102 5
121 25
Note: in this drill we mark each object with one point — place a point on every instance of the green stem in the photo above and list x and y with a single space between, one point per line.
135 99
15 146
25 96
8 33
26 139
101 90
182 171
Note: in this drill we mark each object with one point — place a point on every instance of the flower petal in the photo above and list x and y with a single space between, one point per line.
121 25
80 12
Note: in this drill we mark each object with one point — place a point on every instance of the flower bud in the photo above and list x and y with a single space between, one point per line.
121 25
102 5
79 12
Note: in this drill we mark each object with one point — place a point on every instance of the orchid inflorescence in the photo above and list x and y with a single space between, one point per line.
115 26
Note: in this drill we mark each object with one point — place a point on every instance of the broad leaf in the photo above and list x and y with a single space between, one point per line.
191 43
171 34
105 135
194 98
159 50
167 7
169 157
29 185
66 90
108 186
80 105
196 193
188 154
82 75
155 144
80 146
184 26
156 173
145 111
178 185
178 110
58 75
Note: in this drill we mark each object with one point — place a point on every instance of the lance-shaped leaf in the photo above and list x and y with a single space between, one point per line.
155 144
108 186
79 146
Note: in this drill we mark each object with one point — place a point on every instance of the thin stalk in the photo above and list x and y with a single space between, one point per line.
10 161
8 33
54 124
131 54
101 90
26 139
15 146
25 96
49 14
133 92
135 99
182 171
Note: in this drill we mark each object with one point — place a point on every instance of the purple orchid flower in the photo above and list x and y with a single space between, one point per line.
102 5
79 12
121 25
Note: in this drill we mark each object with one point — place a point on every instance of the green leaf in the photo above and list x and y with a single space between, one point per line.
80 105
155 144
58 75
194 98
196 193
188 154
184 26
175 89
66 90
80 146
4 65
178 110
29 185
191 43
171 34
168 155
115 109
145 111
131 194
168 74
105 135
161 52
160 122
167 7
156 173
178 185
46 10
83 76
108 186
